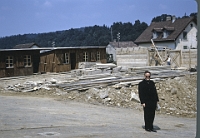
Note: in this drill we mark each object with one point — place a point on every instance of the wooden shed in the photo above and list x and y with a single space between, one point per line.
26 61
62 59
19 62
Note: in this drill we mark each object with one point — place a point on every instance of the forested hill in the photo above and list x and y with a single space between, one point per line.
86 36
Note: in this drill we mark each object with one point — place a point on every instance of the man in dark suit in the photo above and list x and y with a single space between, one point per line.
148 98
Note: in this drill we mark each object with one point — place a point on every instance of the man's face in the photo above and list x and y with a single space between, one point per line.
147 76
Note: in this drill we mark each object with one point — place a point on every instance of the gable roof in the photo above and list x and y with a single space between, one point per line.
175 27
27 45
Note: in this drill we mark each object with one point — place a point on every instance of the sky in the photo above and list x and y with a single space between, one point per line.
42 16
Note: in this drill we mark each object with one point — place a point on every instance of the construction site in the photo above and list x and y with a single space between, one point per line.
117 85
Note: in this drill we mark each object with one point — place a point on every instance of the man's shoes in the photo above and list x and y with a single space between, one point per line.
148 130
153 130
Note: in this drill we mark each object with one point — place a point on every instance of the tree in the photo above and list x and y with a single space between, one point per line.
85 36
161 18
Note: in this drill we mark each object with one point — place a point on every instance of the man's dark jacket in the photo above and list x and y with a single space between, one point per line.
148 93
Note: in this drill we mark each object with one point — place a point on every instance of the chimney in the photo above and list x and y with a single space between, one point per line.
173 18
168 18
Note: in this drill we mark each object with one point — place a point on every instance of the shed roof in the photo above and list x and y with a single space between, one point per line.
52 48
27 45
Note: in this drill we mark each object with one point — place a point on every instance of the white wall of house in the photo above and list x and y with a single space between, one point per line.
34 46
191 40
145 44
170 45
112 51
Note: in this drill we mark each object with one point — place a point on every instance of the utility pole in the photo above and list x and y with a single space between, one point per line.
198 74
118 38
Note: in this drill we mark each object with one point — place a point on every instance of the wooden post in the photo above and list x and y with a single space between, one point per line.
181 58
156 50
148 56
189 59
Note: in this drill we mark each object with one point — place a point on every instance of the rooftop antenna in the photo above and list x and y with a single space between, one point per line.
53 44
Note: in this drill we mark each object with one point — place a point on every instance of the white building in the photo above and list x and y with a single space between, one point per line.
174 34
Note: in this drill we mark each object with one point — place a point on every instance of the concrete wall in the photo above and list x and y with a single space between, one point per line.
138 56
131 57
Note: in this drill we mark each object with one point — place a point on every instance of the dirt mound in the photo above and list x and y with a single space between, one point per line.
177 95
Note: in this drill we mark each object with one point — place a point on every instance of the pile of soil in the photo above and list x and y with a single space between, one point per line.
177 95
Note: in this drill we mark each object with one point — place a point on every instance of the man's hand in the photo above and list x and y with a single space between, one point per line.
143 104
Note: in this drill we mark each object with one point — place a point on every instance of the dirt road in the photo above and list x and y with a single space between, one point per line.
33 117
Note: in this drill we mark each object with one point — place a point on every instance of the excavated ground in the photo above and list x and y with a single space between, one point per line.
177 95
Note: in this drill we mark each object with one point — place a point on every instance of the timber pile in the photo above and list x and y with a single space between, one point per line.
133 76
176 88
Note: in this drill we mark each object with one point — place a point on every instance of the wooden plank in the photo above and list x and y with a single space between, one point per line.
82 84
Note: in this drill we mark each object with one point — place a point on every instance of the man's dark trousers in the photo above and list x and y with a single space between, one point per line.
149 115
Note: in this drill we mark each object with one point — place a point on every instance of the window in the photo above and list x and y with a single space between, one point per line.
165 34
85 56
27 60
9 62
98 56
185 35
155 35
191 25
66 58
185 47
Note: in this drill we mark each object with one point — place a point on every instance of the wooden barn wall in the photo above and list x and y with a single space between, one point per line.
42 63
61 66
18 63
53 61
103 55
47 62
2 65
92 55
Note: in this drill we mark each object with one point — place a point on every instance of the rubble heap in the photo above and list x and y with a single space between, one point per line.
176 90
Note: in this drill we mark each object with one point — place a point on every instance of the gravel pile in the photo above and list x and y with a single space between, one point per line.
177 95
